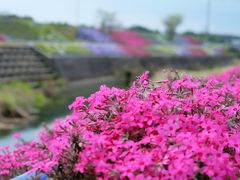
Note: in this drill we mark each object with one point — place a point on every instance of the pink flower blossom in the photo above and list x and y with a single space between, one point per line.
16 135
183 129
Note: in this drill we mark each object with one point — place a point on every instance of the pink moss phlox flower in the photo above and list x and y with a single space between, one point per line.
16 135
184 128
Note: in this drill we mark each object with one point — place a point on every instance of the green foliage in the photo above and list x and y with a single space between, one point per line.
158 50
47 48
76 49
107 20
16 95
66 48
26 28
142 29
155 38
171 23
53 31
22 28
214 38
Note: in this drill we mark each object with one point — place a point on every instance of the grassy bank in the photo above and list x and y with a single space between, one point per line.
19 102
163 73
49 101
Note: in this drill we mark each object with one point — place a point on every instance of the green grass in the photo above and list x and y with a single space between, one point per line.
26 28
63 48
162 74
157 50
16 95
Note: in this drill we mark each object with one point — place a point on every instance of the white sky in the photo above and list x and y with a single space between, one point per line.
224 19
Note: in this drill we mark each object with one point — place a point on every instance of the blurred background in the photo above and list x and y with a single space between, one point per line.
53 51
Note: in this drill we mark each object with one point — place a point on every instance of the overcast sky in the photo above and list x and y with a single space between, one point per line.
225 14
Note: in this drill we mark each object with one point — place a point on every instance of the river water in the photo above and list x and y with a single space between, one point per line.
27 134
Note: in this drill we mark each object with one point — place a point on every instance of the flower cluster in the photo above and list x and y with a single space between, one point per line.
180 128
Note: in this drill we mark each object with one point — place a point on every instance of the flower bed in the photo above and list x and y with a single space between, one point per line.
92 34
130 38
182 128
107 49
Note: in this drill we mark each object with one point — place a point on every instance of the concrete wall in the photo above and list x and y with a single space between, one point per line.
77 68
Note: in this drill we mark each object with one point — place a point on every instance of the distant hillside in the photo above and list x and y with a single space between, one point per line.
214 38
26 28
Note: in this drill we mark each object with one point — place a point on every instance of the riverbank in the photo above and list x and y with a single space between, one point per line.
200 73
57 105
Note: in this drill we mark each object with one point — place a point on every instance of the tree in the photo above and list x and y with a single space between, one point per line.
143 29
108 20
171 23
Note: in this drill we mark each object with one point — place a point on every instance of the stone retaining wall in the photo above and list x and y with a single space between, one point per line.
77 68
